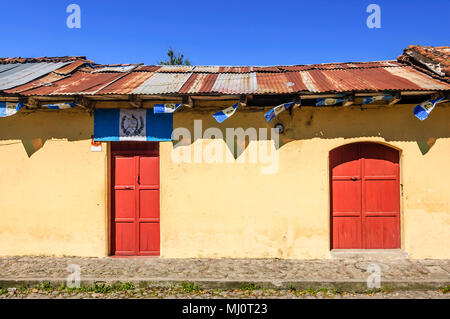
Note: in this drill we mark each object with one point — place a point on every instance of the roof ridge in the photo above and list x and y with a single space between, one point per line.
16 60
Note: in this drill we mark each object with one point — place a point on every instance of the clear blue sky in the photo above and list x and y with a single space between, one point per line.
225 32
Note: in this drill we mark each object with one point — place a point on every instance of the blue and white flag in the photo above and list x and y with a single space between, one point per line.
384 97
132 125
424 109
226 113
277 110
59 106
329 101
9 108
165 108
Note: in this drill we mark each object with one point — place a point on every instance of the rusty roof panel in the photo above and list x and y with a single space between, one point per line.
289 82
321 82
20 60
334 66
126 84
199 83
266 69
69 68
345 80
377 79
148 68
119 69
163 83
235 69
309 82
175 68
43 81
206 69
78 83
421 80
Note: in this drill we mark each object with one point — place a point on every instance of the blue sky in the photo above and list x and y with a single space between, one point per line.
229 32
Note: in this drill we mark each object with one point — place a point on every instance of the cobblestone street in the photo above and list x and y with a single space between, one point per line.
175 293
345 274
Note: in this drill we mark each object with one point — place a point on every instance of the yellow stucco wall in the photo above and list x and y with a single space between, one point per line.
54 202
232 210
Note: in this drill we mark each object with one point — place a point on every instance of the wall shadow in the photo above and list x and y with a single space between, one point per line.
33 129
393 124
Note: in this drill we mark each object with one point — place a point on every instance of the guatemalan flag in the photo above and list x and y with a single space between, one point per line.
132 125
384 97
424 109
330 101
165 108
277 110
60 106
9 108
226 113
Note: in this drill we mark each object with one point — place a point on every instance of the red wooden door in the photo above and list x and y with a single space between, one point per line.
365 197
135 202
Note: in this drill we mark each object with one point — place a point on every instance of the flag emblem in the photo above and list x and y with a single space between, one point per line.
424 109
277 110
165 108
371 99
329 101
132 125
9 108
226 113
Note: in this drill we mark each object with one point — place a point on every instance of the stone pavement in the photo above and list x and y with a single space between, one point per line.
347 274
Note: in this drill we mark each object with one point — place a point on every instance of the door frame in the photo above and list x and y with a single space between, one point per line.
110 166
400 182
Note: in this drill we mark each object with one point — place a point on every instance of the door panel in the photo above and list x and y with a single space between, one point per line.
149 239
125 204
135 200
380 234
365 197
149 171
125 238
381 196
149 204
124 171
346 204
347 232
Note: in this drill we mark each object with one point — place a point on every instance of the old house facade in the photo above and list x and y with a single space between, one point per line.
350 166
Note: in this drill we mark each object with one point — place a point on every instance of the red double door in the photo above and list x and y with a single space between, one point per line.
365 197
135 199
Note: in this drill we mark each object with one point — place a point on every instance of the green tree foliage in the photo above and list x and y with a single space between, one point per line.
175 58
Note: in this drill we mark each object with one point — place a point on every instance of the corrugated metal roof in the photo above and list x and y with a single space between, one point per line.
163 83
78 83
120 69
287 82
199 83
24 73
71 67
175 68
423 81
43 59
126 84
43 81
80 78
235 83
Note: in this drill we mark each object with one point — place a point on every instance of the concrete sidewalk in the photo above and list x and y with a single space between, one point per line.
349 274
